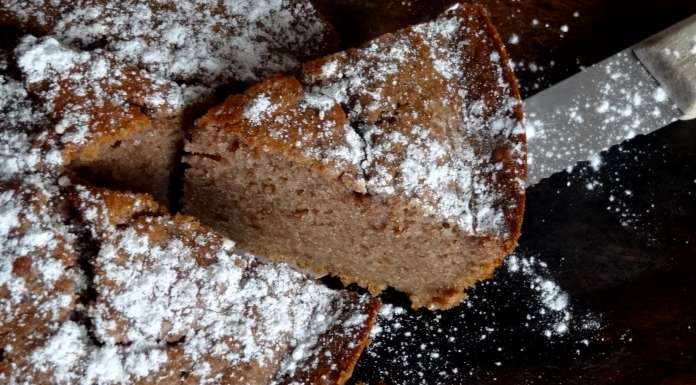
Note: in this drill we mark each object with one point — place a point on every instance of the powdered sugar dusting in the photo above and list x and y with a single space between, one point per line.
207 42
84 96
62 353
620 102
353 150
259 108
39 62
230 308
444 165
70 356
550 295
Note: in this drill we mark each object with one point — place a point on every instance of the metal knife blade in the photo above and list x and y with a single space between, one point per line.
612 101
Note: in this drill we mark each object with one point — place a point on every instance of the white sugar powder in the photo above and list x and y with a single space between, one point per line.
39 61
63 353
259 108
553 299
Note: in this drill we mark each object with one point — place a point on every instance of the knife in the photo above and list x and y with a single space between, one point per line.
639 90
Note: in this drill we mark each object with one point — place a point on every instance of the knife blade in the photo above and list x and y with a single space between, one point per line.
638 90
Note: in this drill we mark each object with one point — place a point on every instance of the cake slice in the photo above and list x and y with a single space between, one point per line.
401 163
166 282
109 122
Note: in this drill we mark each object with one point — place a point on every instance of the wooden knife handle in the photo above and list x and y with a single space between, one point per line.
670 56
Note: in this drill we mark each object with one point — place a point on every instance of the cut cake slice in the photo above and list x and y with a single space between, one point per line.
401 163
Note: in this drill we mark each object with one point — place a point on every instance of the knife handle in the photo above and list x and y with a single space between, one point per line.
670 57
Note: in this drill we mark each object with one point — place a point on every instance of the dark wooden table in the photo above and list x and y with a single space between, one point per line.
624 251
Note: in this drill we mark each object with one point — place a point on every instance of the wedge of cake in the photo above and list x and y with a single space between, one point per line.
169 287
401 163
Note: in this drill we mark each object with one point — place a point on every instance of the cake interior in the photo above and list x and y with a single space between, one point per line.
146 161
288 212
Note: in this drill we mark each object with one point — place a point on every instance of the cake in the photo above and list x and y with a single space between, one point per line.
400 163
103 287
200 43
39 278
121 81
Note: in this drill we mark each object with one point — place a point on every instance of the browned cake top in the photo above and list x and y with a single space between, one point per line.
39 279
208 42
174 303
430 113
69 103
235 319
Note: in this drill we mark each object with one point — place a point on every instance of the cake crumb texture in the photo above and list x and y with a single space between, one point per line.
400 163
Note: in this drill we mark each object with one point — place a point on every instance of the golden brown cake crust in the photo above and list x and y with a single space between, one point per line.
425 121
